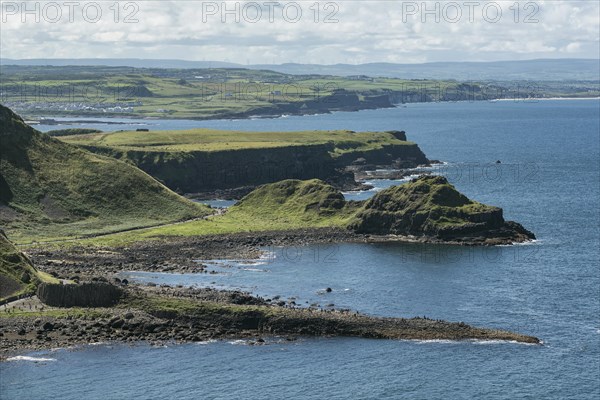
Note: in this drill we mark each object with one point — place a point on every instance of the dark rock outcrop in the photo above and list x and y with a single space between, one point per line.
400 135
96 294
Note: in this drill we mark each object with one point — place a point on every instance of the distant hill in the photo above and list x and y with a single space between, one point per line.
538 70
50 189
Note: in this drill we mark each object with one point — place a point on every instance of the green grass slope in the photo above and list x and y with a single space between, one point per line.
50 189
295 203
281 206
17 274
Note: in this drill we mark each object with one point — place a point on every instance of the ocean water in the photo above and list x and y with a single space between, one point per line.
217 203
548 179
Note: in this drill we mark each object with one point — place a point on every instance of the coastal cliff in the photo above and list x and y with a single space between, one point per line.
197 161
203 171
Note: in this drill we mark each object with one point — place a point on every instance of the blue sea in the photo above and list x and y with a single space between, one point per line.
548 180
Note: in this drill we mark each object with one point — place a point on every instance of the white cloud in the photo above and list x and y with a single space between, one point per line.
366 31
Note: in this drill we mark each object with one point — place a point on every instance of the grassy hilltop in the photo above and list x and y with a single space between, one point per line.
431 207
52 189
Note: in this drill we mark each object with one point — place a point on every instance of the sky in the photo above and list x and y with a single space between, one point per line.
317 32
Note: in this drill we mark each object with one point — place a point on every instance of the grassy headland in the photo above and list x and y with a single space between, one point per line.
204 160
53 191
431 207
209 140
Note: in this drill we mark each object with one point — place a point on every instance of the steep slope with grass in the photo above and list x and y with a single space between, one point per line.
50 189
202 160
17 274
431 207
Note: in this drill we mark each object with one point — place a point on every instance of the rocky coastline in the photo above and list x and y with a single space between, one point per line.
161 314
177 254
179 315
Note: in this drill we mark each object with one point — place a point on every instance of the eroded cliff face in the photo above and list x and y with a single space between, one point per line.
204 171
404 156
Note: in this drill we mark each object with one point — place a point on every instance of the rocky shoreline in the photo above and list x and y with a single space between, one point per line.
162 314
180 315
175 254
178 254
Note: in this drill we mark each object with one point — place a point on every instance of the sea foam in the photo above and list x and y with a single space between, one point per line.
29 358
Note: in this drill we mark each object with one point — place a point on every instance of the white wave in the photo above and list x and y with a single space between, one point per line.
267 255
472 341
533 242
356 192
251 263
497 341
238 342
29 358
408 177
254 269
205 342
549 98
427 341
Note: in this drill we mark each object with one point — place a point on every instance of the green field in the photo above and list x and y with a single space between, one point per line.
203 93
216 140
281 206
